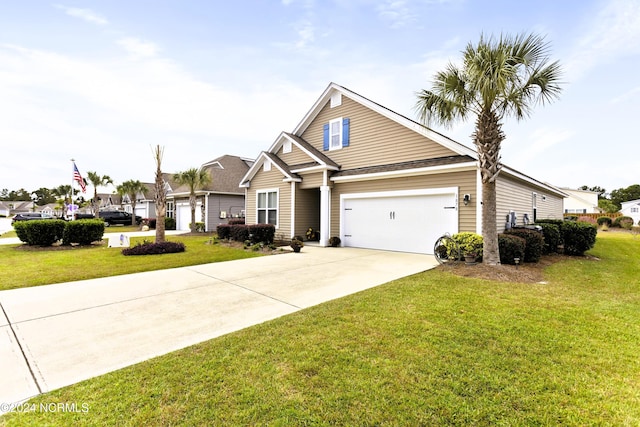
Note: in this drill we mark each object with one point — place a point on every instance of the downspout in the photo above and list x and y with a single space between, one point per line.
293 210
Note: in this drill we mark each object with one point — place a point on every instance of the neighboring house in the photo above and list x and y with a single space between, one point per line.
357 170
631 209
145 202
5 210
580 201
219 201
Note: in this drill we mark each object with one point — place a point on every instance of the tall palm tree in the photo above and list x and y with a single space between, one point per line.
63 191
499 77
131 188
160 195
195 179
97 180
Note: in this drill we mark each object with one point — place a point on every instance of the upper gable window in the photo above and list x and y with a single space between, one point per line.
266 166
286 147
336 100
336 134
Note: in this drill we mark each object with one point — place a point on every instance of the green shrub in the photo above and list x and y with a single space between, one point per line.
83 231
578 237
148 248
604 220
534 243
511 247
40 232
470 243
200 227
557 222
552 237
261 233
169 223
623 222
334 241
240 232
224 231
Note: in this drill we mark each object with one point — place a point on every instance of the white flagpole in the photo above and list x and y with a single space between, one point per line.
72 179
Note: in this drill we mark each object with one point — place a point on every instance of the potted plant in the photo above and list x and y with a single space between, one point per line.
470 257
296 245
334 241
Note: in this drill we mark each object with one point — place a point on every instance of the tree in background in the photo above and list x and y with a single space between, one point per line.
608 206
160 195
63 191
602 193
498 78
97 180
195 179
132 188
620 195
44 196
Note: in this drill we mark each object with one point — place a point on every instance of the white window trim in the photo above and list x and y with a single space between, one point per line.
267 191
340 136
336 100
266 166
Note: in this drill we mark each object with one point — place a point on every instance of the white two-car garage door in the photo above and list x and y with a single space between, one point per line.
405 221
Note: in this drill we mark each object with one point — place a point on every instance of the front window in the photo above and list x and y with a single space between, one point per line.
267 207
335 134
170 209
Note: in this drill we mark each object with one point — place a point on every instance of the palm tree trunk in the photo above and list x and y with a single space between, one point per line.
192 204
487 137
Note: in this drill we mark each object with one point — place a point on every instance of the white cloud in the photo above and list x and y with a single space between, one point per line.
396 12
138 48
614 32
84 14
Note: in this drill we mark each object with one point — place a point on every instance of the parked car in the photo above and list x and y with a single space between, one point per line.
28 216
118 217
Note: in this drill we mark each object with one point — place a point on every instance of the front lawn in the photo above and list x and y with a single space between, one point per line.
32 267
430 349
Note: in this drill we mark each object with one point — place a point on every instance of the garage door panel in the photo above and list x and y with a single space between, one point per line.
399 223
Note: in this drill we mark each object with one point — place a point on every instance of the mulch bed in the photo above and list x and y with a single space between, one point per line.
523 273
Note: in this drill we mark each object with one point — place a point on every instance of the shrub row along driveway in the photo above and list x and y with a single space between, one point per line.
56 335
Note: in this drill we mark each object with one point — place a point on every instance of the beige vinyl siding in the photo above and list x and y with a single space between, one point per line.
295 157
374 139
307 211
311 180
465 182
266 181
516 195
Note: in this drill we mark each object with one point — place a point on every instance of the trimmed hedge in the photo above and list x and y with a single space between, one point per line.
147 248
557 222
511 246
255 233
623 222
169 223
236 221
604 220
578 237
83 231
40 232
552 237
534 243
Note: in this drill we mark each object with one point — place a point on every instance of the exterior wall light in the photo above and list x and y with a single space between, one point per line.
466 199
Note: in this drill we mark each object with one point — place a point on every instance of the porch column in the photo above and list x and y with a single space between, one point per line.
325 196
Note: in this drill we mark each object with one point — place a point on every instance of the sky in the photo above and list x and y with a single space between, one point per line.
103 82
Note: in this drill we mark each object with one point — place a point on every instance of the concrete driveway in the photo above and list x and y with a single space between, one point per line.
56 335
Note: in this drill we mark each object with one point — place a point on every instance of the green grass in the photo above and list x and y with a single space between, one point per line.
430 349
23 268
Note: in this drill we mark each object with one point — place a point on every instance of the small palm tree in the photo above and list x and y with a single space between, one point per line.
195 179
498 78
160 195
131 188
97 180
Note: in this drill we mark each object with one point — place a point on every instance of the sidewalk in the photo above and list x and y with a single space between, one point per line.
56 335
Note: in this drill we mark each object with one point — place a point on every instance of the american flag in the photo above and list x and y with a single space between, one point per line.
78 177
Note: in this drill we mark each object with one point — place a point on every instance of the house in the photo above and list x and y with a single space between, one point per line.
580 201
219 201
631 209
356 170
